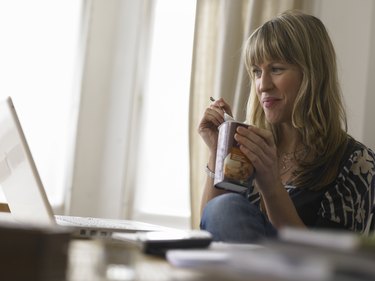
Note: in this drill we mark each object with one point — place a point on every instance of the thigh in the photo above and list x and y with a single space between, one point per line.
232 218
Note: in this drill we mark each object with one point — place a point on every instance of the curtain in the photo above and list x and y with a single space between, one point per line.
222 27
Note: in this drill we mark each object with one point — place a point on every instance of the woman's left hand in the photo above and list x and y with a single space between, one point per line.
259 147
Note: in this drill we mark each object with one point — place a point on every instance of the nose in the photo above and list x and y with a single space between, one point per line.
265 82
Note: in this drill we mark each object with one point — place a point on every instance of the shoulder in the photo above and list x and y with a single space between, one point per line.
359 160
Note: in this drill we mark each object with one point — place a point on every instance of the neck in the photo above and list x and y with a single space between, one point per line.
290 139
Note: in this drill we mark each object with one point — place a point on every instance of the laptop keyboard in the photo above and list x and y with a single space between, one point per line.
103 227
94 222
98 227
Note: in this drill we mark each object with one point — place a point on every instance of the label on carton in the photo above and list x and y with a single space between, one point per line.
233 170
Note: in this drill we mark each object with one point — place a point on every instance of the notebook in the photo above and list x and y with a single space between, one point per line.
25 193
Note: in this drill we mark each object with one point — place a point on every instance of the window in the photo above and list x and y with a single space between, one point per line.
39 41
162 181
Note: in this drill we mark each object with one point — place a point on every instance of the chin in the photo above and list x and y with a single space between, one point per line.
272 120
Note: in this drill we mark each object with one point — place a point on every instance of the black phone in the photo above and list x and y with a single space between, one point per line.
158 242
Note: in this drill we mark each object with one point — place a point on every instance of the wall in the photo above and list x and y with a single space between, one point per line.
368 124
351 27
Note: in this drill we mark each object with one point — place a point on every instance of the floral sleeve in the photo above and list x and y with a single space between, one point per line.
350 201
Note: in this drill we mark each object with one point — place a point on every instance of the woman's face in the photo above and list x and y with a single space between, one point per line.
277 85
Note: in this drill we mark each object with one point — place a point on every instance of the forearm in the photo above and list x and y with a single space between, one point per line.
280 208
210 191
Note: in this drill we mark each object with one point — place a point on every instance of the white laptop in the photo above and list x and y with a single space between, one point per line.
24 191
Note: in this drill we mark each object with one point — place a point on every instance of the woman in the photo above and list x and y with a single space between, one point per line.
309 171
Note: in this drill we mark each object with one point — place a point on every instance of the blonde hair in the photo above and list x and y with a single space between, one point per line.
318 113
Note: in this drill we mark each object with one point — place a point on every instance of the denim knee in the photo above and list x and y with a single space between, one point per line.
232 218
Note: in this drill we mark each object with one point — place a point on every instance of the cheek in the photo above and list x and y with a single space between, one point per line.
256 83
259 96
292 87
255 88
297 82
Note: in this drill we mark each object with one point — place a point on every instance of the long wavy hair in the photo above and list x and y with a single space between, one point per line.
318 113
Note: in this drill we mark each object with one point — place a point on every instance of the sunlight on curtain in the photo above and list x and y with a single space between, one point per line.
162 181
39 41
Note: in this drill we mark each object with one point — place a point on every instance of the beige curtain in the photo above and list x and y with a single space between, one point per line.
222 27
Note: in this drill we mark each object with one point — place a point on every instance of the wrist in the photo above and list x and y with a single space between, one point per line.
211 163
270 194
210 172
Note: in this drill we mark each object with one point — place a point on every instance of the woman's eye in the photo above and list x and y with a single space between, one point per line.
257 72
277 69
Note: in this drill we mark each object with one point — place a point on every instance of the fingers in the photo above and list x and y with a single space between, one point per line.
258 145
220 103
214 115
215 112
261 137
212 118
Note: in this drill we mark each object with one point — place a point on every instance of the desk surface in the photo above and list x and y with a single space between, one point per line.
108 260
114 261
96 260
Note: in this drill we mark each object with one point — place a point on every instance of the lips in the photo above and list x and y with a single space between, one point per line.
269 101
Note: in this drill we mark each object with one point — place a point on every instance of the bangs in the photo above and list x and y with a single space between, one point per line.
269 43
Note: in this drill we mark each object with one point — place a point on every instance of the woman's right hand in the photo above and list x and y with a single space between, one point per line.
212 119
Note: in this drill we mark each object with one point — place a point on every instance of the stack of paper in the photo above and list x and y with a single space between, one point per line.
295 255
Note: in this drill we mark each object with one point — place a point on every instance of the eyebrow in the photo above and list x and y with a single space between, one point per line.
270 63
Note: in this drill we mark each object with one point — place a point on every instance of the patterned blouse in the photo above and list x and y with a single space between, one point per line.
346 203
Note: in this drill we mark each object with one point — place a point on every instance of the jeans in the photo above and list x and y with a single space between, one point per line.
232 218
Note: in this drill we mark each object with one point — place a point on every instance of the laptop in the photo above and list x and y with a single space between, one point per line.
26 196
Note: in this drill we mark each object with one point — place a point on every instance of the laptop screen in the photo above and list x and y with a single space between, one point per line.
19 178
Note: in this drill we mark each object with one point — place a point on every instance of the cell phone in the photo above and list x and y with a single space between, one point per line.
158 242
